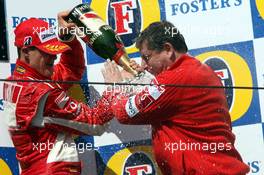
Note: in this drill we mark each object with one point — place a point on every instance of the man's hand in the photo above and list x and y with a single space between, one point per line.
128 76
64 28
136 66
111 73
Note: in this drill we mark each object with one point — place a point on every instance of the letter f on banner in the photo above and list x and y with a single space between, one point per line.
124 15
139 170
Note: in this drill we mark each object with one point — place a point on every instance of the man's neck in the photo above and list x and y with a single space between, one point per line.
178 55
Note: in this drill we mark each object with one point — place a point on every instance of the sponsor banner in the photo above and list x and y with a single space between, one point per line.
3 34
5 140
235 65
259 53
128 18
208 23
8 162
250 145
257 9
128 158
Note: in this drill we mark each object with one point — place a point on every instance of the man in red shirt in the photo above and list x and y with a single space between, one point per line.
42 118
191 127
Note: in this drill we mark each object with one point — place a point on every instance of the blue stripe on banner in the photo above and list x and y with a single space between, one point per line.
257 20
1 105
92 58
12 68
134 55
8 155
162 10
87 1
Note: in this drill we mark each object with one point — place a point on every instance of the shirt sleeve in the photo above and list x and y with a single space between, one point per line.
145 107
63 113
71 65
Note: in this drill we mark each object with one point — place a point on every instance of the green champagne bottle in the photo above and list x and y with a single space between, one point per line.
99 36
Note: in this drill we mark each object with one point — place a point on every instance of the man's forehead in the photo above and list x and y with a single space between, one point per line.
144 47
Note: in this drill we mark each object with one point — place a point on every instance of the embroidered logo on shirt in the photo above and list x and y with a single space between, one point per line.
131 107
61 100
20 69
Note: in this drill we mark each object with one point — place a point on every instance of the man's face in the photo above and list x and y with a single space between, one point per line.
155 61
42 62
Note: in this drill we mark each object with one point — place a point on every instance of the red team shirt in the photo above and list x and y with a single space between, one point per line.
191 127
43 119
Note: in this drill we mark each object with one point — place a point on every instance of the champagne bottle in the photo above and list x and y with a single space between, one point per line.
99 36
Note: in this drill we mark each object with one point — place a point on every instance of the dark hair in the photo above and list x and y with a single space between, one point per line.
158 33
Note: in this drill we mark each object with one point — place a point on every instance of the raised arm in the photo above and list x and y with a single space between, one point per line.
72 64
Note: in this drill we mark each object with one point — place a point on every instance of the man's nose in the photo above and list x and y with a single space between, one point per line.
144 64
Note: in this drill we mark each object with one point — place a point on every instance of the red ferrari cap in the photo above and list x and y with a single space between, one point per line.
37 33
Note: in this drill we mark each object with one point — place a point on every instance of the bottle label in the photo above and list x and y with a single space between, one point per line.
93 24
92 21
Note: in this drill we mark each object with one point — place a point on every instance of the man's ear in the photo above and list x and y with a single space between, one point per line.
168 47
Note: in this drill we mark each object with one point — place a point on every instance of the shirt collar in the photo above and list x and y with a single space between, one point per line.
179 61
23 69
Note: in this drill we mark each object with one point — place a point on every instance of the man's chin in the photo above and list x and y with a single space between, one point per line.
48 74
153 73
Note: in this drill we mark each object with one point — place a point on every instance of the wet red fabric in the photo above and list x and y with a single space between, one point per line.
191 127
